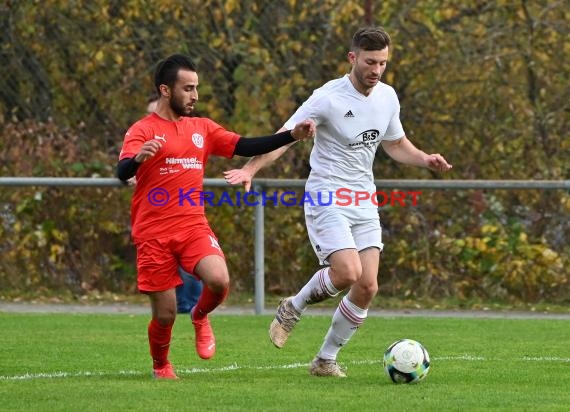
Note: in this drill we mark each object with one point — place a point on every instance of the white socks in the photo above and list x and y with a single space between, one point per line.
346 320
317 289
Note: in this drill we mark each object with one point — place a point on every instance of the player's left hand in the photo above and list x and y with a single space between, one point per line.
239 176
304 130
437 163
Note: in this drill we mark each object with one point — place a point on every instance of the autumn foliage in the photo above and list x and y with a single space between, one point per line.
483 82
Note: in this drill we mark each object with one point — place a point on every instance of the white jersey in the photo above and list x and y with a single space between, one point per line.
350 126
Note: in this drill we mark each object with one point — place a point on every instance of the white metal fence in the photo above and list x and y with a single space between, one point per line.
260 184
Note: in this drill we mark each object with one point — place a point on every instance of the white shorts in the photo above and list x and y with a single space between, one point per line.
335 228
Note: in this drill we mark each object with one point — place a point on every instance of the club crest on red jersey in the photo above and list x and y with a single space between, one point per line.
198 140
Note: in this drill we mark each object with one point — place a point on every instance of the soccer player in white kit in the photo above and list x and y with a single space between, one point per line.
354 115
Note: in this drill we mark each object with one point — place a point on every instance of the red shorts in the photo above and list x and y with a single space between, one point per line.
158 259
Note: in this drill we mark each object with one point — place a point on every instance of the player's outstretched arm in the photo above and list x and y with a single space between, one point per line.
255 146
404 151
245 174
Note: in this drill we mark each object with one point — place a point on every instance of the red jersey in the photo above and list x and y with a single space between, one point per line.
168 192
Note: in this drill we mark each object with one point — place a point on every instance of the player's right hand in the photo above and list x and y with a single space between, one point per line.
239 176
148 150
304 130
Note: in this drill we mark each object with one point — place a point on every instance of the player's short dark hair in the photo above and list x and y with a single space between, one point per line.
167 70
370 38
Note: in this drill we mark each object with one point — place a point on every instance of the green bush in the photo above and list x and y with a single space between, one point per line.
77 74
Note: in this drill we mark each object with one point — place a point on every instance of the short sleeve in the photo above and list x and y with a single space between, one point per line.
221 142
310 109
395 130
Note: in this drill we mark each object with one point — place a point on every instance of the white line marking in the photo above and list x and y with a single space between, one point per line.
235 366
461 357
545 359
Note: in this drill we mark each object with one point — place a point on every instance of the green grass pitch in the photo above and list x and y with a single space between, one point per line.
87 362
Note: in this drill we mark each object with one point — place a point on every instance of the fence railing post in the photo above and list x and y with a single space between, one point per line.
259 246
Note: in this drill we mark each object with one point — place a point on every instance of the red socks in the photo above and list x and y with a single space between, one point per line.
159 335
208 302
159 340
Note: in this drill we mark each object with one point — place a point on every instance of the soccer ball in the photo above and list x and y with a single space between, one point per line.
406 361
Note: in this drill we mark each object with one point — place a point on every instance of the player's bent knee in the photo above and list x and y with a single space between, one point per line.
349 269
218 283
352 272
346 277
353 276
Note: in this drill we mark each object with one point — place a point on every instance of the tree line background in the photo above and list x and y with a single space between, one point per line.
483 82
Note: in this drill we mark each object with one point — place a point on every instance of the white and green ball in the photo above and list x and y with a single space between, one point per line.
406 361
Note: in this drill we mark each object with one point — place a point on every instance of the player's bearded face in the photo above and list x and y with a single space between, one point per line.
179 105
184 93
369 66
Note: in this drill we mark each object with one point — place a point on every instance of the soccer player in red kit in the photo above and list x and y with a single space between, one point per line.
167 151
